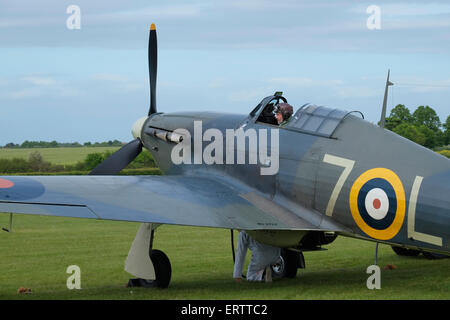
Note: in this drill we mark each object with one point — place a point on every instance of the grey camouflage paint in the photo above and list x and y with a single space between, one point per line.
305 181
237 196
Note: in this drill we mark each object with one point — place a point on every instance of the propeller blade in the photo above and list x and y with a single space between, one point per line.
119 159
152 67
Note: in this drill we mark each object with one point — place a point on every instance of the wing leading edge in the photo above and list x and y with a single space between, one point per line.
179 200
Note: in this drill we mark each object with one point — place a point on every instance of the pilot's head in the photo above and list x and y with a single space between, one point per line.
284 112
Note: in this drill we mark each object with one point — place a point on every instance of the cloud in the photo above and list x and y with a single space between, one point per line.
247 95
357 92
32 86
396 16
25 93
40 81
336 87
52 15
408 9
109 77
337 25
133 87
302 82
143 14
217 83
118 82
421 85
60 91
437 23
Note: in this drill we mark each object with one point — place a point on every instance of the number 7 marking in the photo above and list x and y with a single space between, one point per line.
347 164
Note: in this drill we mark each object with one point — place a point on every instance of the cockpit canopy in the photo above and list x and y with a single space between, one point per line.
312 119
317 119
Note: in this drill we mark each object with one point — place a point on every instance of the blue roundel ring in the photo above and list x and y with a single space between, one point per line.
20 188
382 184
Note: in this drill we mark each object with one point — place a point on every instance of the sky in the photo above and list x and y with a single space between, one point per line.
91 84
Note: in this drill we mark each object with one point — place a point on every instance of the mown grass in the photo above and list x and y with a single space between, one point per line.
55 155
39 250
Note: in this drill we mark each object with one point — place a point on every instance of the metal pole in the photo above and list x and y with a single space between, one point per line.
376 254
10 224
150 247
232 245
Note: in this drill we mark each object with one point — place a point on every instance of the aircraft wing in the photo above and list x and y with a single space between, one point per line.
179 200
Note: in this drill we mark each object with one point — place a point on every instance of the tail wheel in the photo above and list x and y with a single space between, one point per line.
163 269
405 252
287 265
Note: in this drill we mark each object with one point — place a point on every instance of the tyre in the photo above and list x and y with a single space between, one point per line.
163 269
405 252
287 265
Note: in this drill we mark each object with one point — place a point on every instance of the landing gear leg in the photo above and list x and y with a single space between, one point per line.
151 266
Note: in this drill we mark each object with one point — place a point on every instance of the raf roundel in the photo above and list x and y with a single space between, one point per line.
377 203
6 184
20 188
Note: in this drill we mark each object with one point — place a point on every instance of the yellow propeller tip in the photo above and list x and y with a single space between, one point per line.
153 27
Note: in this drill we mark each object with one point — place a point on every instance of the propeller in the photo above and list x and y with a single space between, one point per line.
121 158
152 67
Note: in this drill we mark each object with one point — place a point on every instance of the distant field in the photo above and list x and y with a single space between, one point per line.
36 255
55 155
445 153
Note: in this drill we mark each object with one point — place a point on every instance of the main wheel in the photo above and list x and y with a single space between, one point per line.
405 252
163 269
287 265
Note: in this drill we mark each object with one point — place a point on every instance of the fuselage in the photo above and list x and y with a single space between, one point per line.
370 182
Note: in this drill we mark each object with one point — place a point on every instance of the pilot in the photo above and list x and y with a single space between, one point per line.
263 256
283 113
267 115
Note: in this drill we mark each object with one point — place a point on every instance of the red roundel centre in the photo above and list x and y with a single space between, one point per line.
376 203
5 184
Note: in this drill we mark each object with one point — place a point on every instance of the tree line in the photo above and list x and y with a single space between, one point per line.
423 126
36 163
55 144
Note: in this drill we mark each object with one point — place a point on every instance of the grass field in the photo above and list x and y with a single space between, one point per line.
39 250
54 155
